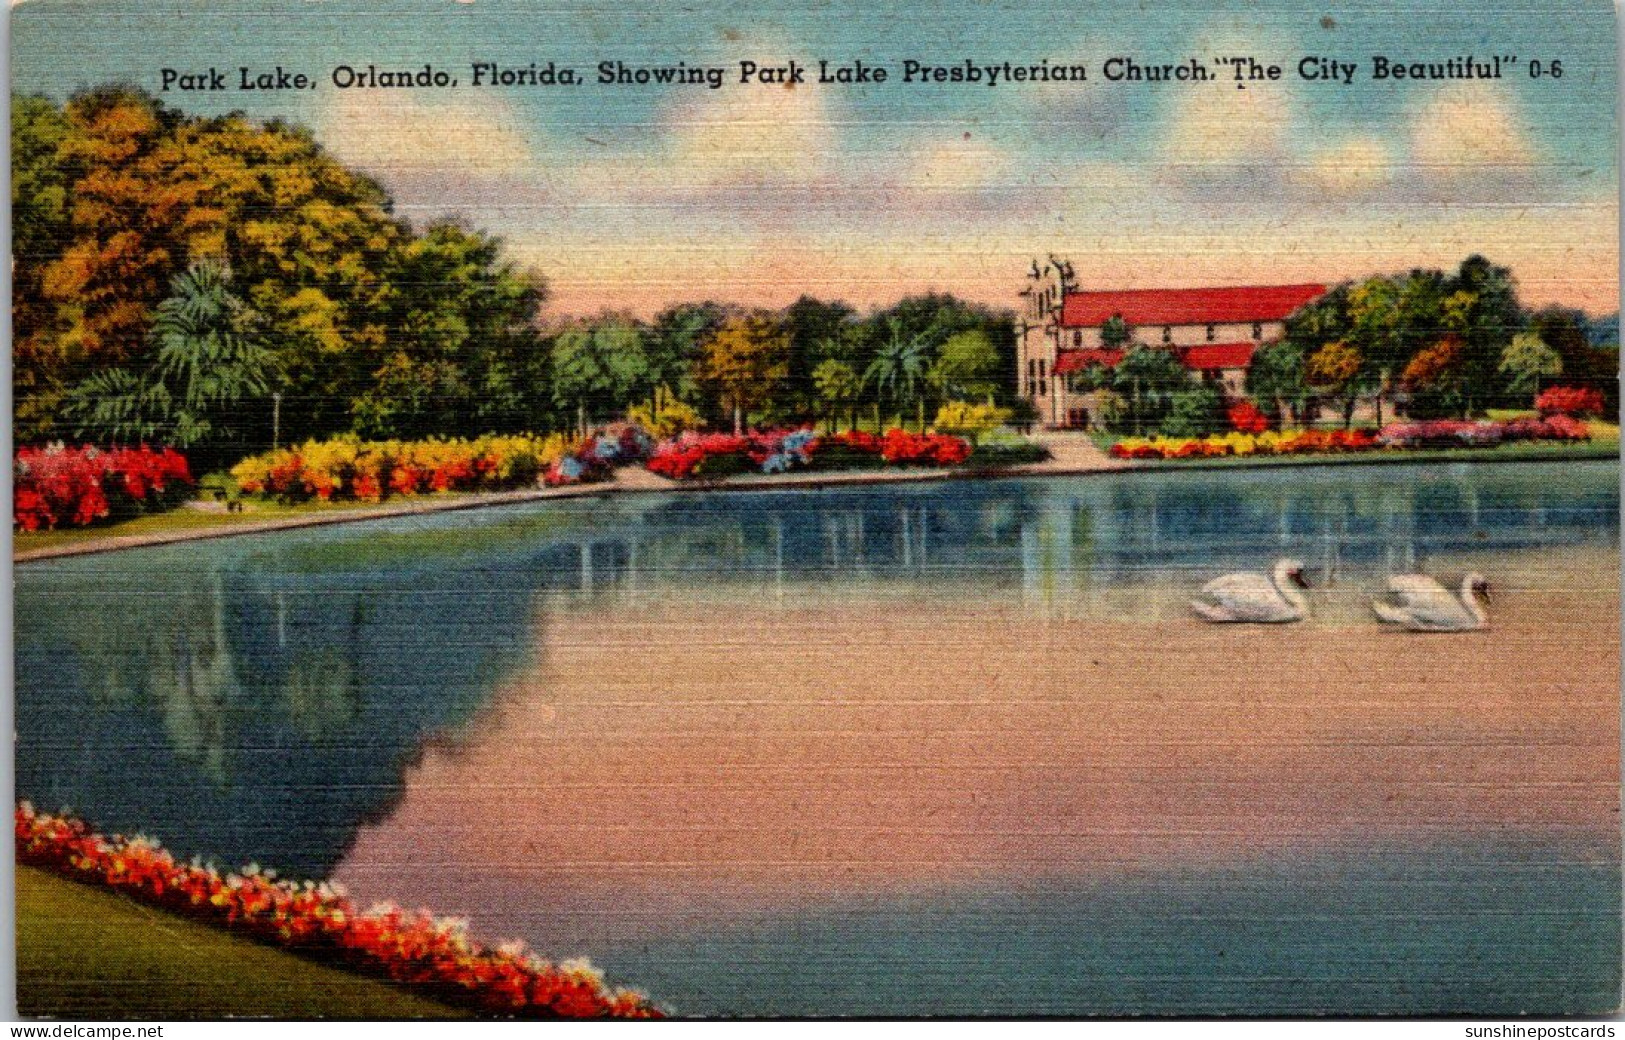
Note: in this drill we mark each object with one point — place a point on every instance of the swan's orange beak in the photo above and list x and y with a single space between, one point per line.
1299 580
1483 589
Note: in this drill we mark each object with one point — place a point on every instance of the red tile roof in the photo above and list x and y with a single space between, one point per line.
1206 357
1186 306
1078 360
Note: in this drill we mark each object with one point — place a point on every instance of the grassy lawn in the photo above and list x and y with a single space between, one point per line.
183 519
84 953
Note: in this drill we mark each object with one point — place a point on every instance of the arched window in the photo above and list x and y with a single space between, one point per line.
1212 332
1167 333
1258 330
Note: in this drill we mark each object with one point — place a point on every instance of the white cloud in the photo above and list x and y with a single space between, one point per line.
1470 129
1353 167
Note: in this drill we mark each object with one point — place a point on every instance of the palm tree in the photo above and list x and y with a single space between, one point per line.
209 341
208 355
898 371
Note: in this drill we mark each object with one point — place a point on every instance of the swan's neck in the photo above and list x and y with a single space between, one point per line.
1289 589
1469 600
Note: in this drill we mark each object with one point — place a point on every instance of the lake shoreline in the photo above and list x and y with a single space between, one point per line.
644 483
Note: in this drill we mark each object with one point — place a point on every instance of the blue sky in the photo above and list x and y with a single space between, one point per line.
638 196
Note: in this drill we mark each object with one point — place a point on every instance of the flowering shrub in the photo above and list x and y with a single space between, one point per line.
317 920
1436 433
665 417
368 471
901 448
1303 442
970 420
719 454
1452 433
1582 401
58 486
595 457
1244 417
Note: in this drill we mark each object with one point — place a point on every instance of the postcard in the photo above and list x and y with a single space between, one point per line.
815 510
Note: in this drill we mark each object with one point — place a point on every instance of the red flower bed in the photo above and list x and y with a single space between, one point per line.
1581 401
1244 417
315 920
686 456
779 451
901 448
59 486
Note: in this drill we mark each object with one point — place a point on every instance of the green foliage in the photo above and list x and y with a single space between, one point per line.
837 385
1276 382
897 374
1195 411
968 365
1526 360
1006 449
599 368
1106 408
1115 333
208 355
1147 378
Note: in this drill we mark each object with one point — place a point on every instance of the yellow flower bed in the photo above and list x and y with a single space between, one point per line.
348 467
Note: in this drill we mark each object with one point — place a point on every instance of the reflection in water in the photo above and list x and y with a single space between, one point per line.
709 681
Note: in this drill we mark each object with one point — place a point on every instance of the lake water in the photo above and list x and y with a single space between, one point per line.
955 748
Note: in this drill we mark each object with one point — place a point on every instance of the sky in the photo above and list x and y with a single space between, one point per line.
636 197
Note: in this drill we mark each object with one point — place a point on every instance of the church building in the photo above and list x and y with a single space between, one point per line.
1213 331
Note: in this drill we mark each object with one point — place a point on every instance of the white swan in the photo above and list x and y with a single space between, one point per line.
1423 605
1252 597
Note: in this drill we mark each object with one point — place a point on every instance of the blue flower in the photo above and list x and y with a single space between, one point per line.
570 468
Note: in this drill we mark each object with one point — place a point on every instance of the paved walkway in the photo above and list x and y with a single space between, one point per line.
1071 451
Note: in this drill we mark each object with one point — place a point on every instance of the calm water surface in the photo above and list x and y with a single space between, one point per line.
954 748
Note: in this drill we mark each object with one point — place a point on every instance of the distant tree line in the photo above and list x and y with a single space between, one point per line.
199 281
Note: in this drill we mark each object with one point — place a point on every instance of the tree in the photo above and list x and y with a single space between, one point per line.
1115 333
1147 378
674 346
40 365
1194 411
1436 377
209 355
838 386
1526 361
1484 303
599 368
461 354
1276 383
743 360
897 373
1376 334
810 324
1337 370
966 366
